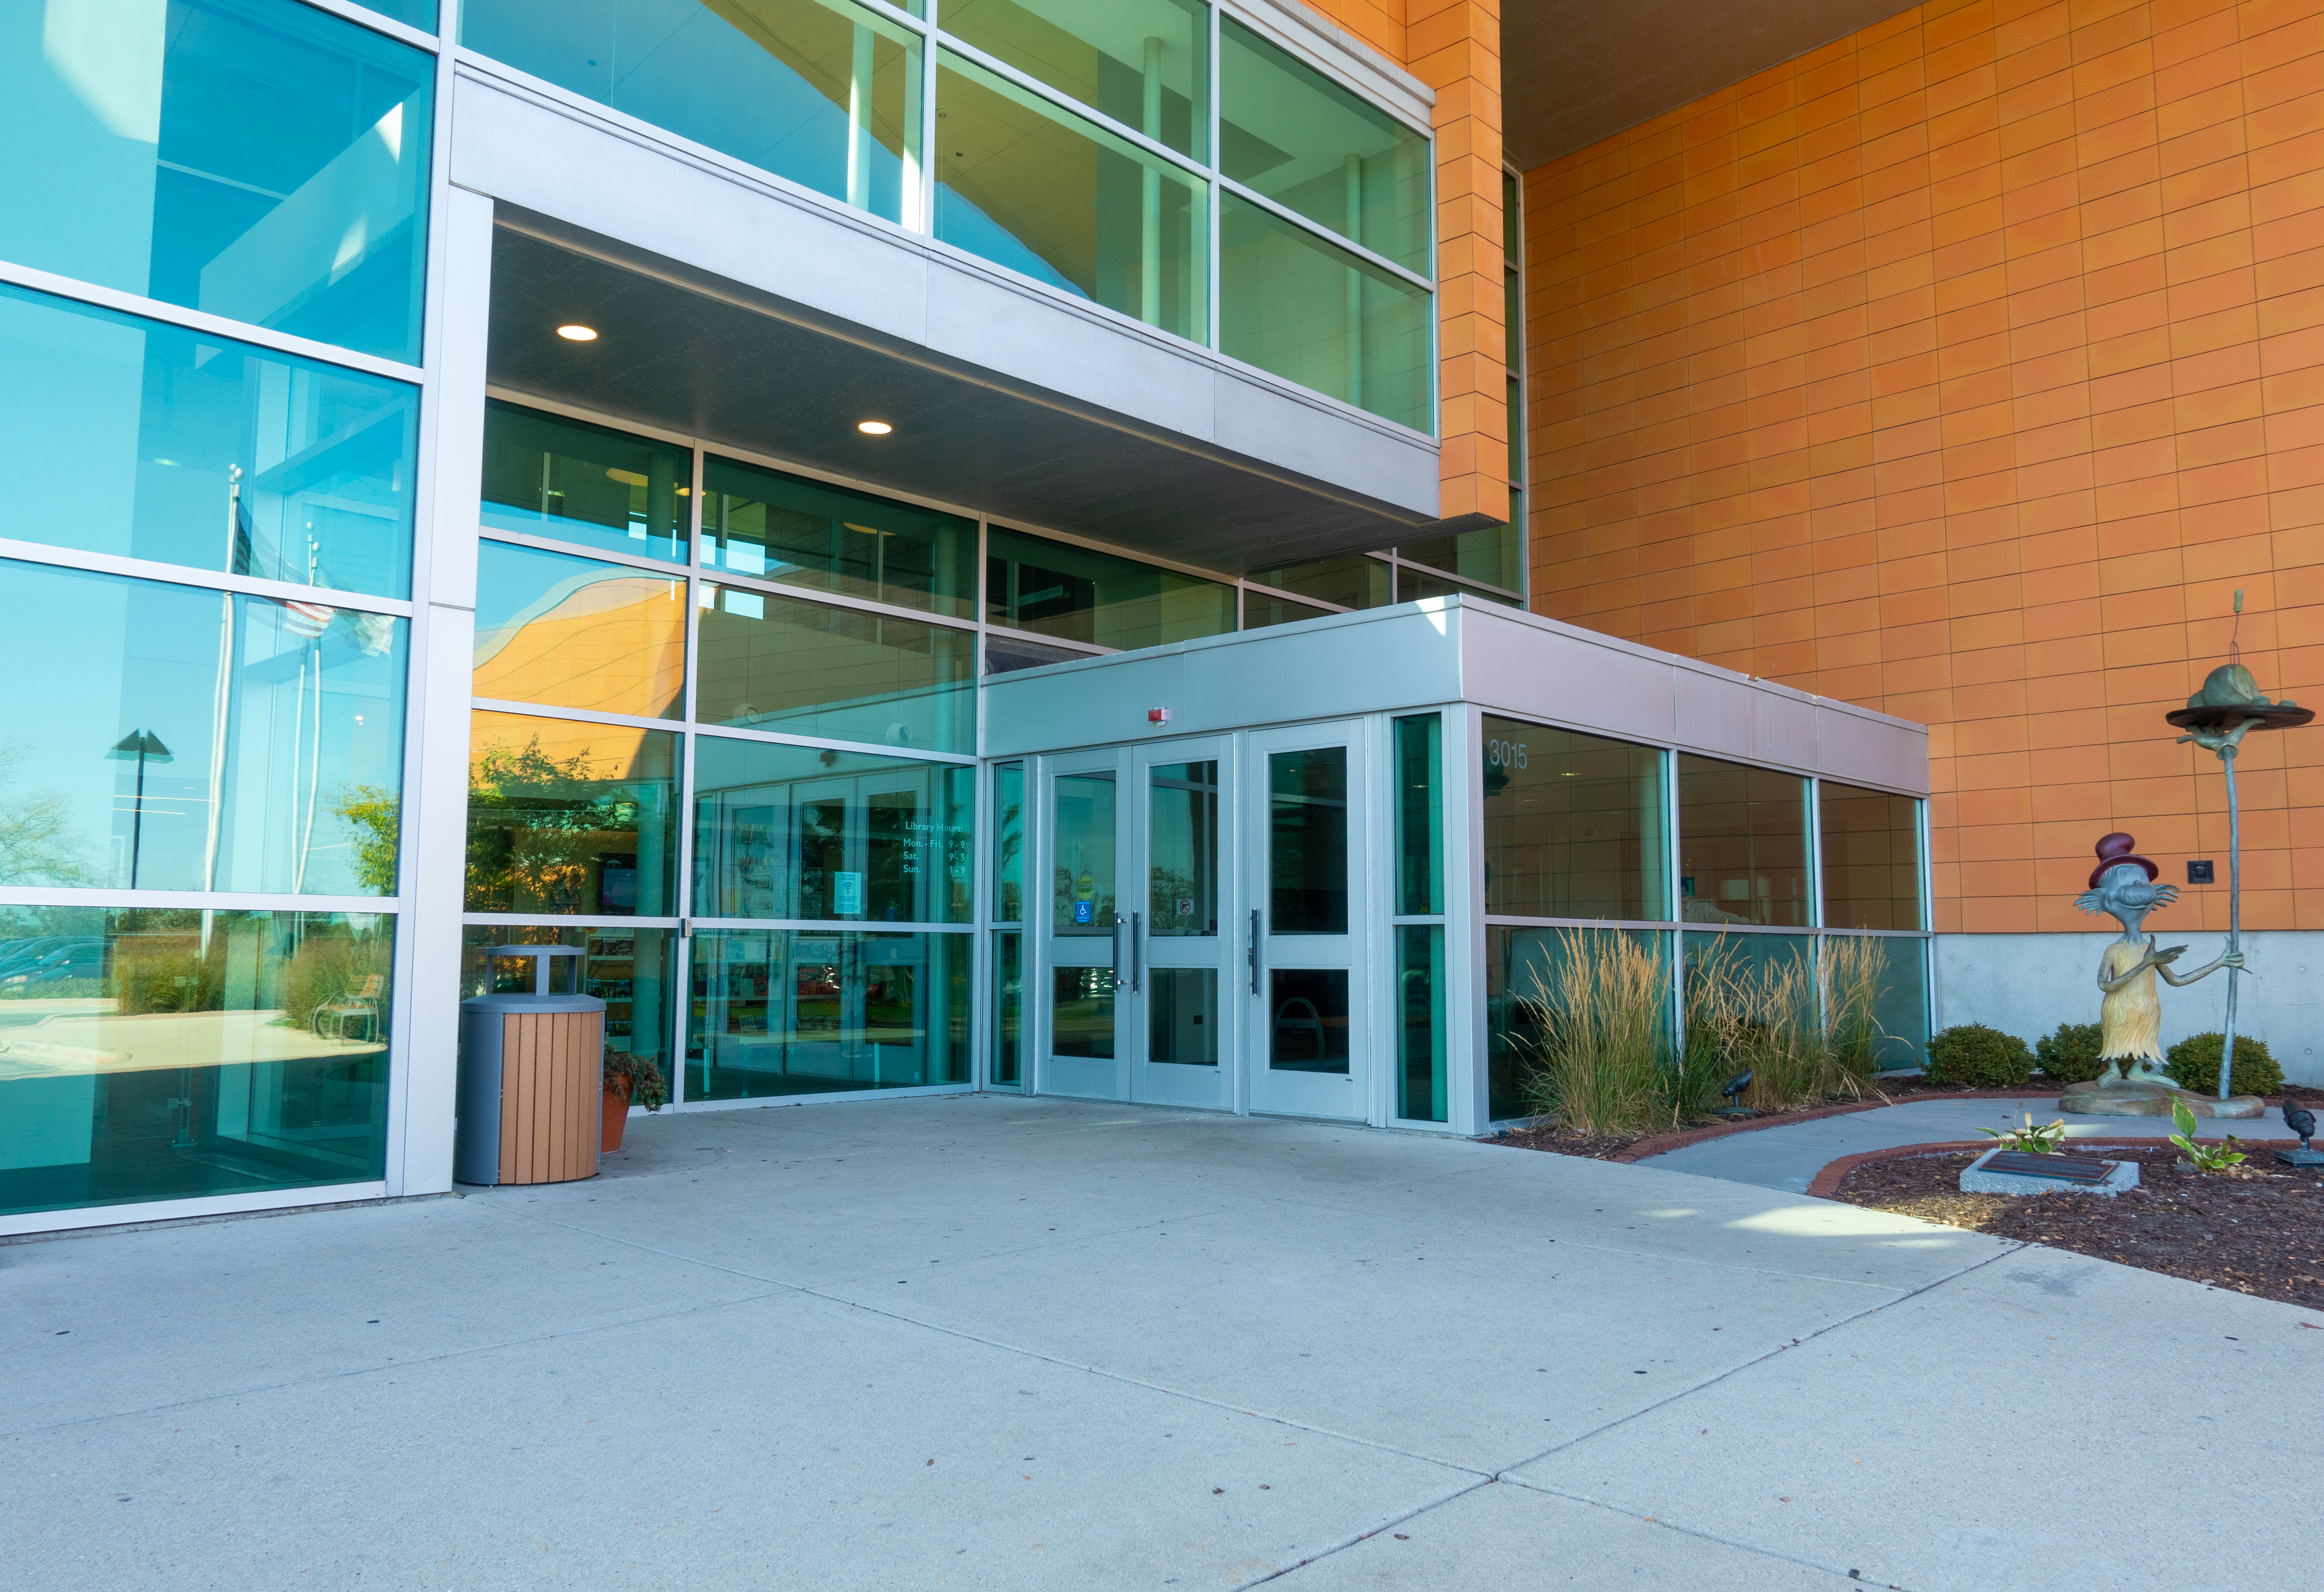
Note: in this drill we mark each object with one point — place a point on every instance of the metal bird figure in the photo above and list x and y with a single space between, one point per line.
1734 1087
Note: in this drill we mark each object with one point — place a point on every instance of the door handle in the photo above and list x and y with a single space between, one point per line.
1253 954
1117 950
1137 951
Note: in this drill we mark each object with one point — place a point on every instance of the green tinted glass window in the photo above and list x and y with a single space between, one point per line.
571 819
819 91
1292 304
573 633
1871 851
785 528
1043 192
1145 63
1413 584
1573 824
1079 595
554 477
800 833
187 1052
1008 842
805 1011
171 738
211 453
1289 132
1743 843
1488 555
1419 815
1420 1071
1355 582
806 668
256 159
1262 609
629 967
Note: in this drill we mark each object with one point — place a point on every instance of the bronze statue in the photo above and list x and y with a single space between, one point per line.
2130 1018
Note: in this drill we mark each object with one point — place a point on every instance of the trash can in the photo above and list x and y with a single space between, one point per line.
532 1079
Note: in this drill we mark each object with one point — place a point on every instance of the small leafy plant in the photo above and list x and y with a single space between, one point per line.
2200 1156
2033 1140
646 1085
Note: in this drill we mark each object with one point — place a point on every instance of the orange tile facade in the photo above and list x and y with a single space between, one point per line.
1964 369
1455 47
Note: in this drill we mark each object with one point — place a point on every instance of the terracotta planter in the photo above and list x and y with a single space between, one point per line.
617 1119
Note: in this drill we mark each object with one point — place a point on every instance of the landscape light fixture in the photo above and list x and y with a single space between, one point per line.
578 332
873 427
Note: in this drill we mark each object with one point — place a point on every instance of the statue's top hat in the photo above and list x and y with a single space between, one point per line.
2115 849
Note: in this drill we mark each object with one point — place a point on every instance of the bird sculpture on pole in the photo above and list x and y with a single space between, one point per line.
2302 1121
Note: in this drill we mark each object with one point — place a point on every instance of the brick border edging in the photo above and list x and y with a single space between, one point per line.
1827 1182
1664 1143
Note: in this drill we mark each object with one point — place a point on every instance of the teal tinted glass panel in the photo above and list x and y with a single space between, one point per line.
1182 850
1291 303
190 740
1145 63
803 668
413 14
1291 134
1743 843
1080 594
1354 581
1183 1016
1307 841
158 443
1262 609
1008 842
803 1011
826 94
629 967
1008 1009
1521 989
1045 193
547 475
1420 816
1573 824
1490 555
572 632
1081 1012
1420 1079
568 819
785 528
256 159
796 831
1871 851
1082 852
176 1053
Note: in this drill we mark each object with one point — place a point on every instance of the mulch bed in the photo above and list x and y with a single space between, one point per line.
1555 1139
2258 1229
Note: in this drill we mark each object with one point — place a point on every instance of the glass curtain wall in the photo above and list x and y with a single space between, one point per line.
1579 833
201 769
1078 142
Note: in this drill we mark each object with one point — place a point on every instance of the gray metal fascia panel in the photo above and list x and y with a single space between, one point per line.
1393 466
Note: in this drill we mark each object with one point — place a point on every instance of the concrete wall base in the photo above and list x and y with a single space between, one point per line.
2028 984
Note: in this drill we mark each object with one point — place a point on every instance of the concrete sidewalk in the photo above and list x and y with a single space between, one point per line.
988 1343
1789 1157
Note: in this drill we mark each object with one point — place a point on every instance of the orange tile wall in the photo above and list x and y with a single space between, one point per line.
1964 369
1454 46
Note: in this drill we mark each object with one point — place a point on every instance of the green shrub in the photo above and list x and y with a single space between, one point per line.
2070 1055
2194 1063
1971 1056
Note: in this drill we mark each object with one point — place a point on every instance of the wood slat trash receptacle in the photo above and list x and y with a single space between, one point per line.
532 1079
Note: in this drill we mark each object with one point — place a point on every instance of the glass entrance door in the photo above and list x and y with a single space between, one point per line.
1182 939
1082 809
1303 977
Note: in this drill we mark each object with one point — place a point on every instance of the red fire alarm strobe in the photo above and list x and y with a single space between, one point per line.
1157 715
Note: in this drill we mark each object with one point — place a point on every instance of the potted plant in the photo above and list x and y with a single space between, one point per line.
629 1079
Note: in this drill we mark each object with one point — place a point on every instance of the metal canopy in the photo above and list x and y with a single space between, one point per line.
690 352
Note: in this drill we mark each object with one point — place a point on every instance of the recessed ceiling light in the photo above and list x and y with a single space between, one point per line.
873 427
577 334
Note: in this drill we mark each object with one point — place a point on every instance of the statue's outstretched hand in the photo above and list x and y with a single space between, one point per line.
2163 957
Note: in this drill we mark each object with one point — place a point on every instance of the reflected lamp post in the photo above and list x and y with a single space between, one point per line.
146 748
2217 718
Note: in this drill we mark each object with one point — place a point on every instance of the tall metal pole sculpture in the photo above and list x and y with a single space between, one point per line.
2217 718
